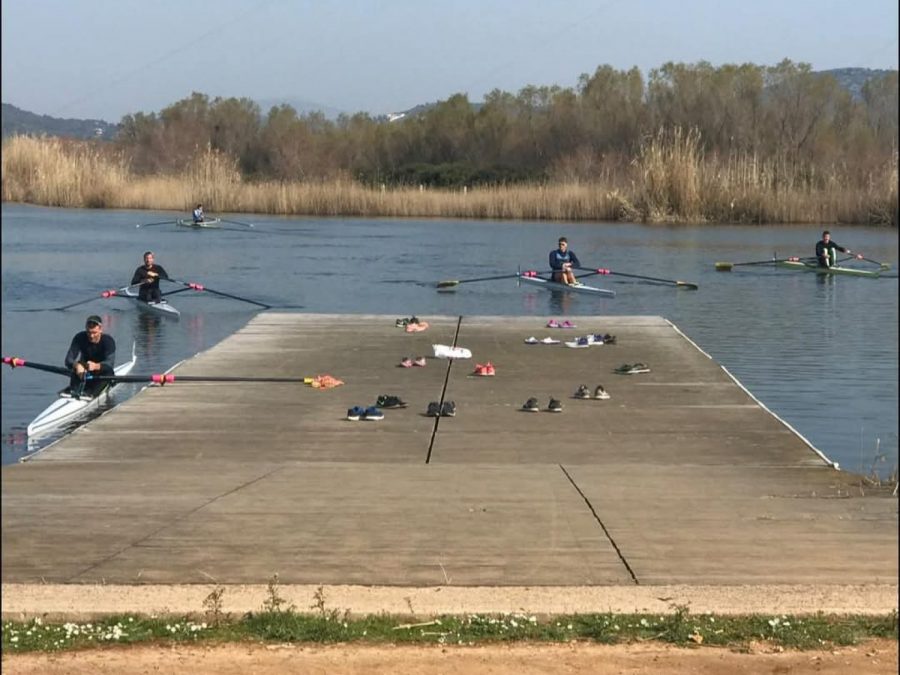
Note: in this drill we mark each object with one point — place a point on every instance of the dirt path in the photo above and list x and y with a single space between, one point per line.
874 657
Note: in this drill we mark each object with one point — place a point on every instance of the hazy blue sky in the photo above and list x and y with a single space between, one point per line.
103 59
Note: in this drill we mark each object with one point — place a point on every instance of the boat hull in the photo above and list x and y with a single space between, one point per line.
161 308
556 286
209 223
806 267
66 409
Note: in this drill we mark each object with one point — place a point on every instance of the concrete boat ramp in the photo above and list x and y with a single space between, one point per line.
680 481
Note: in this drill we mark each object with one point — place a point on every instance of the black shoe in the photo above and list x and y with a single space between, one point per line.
448 409
434 409
583 392
554 406
389 402
531 405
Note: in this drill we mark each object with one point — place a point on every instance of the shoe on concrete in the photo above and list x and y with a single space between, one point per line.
554 406
531 405
448 409
601 393
372 414
434 409
355 413
582 392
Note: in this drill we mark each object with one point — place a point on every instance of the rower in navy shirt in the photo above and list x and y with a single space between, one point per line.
562 260
91 352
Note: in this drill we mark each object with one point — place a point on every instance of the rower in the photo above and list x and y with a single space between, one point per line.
825 250
197 215
148 276
90 353
562 260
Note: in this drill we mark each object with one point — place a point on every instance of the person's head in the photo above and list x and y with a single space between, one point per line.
94 328
563 243
199 206
148 258
826 236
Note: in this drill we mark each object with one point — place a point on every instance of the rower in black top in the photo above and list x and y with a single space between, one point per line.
90 353
825 250
148 276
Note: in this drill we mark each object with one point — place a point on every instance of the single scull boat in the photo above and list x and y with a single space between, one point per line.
161 307
801 266
67 408
209 222
556 286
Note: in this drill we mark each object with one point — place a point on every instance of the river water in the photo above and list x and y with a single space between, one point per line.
821 352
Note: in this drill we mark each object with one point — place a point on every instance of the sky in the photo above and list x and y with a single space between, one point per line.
101 59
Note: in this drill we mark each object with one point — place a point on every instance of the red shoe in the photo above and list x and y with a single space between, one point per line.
489 369
480 369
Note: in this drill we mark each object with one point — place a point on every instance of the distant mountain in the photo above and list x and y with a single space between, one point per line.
18 121
853 79
302 107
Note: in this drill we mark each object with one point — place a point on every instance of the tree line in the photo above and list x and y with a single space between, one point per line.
801 121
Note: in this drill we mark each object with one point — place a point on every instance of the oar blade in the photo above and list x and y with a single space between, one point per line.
449 283
687 285
724 266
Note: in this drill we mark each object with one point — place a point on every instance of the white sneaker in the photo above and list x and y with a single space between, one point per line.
549 341
531 341
447 352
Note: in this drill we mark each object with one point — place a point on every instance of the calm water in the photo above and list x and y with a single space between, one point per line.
820 352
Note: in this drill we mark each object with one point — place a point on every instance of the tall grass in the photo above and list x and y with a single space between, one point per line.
670 180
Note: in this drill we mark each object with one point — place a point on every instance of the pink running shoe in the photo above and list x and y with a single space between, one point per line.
567 324
406 362
553 323
420 361
489 369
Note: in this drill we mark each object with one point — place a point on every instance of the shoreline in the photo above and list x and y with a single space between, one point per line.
80 602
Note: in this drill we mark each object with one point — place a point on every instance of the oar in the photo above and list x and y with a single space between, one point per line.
680 284
884 266
237 222
15 362
109 293
168 378
450 283
162 222
201 287
726 266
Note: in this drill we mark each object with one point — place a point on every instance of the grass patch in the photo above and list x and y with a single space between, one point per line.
324 626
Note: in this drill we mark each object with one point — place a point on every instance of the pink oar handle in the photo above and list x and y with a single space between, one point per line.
162 378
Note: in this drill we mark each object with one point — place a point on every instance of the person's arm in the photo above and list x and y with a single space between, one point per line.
555 264
73 353
575 261
162 272
109 357
139 276
820 249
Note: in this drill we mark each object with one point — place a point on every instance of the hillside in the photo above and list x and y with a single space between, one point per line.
18 121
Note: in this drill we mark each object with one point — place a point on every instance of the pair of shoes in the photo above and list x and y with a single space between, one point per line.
609 339
632 369
407 362
402 323
435 409
357 413
531 405
389 402
553 323
485 370
546 341
416 327
580 343
582 392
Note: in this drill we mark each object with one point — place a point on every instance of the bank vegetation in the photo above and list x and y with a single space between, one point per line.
692 143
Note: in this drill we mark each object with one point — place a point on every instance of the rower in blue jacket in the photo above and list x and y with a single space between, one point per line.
562 262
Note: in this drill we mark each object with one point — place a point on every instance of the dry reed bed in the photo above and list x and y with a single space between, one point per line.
669 181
